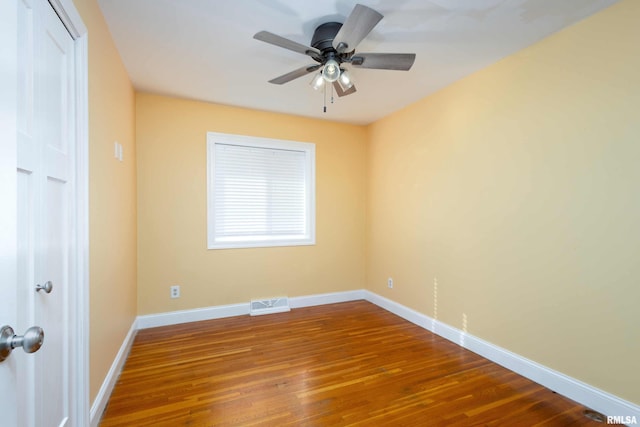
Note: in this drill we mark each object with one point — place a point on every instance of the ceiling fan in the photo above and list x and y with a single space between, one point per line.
333 45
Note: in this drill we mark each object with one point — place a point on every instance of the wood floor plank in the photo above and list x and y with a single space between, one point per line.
335 365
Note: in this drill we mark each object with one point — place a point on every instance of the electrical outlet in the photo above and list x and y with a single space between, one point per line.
390 282
175 291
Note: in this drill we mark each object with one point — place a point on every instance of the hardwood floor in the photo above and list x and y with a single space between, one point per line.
343 364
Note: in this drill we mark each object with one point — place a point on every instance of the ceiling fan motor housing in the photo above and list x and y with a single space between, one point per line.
323 36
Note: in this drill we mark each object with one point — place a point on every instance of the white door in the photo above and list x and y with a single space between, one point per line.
43 222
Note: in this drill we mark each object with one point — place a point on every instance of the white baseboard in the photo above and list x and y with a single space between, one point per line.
101 400
322 299
221 311
578 391
195 315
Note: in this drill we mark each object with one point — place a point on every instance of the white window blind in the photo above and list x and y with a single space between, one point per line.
261 192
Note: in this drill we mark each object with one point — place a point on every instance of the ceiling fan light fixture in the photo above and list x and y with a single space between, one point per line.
318 81
331 71
345 80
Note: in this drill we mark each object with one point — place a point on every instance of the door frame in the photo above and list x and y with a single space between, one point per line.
79 257
8 190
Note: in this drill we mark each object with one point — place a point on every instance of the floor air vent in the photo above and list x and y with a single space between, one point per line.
268 306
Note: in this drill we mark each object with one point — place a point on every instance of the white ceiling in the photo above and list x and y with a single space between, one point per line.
204 49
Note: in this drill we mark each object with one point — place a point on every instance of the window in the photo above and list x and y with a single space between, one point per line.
261 192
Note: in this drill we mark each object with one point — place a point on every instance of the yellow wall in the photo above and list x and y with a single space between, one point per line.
112 197
516 190
172 227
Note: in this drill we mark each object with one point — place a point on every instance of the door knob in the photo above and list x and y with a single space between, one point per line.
30 342
47 287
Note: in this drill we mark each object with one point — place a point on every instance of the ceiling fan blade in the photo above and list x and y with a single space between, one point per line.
384 61
277 40
295 74
341 92
359 23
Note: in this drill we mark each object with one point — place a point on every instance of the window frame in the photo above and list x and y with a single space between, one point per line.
307 148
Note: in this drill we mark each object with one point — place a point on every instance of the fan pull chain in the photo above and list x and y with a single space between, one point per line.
325 98
332 94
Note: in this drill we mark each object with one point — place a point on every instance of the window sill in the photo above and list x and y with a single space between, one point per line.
260 244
